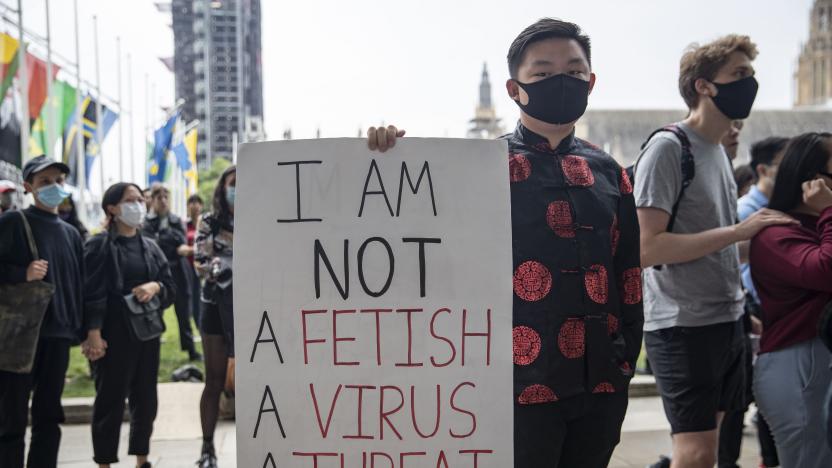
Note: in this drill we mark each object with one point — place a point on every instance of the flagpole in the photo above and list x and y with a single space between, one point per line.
121 111
23 83
99 119
80 160
132 116
50 109
146 130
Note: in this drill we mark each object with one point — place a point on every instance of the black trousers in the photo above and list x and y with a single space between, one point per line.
580 431
128 370
45 384
182 305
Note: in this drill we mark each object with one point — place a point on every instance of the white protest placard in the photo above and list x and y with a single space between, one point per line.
372 305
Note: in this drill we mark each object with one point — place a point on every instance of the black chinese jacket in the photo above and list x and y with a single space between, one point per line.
578 311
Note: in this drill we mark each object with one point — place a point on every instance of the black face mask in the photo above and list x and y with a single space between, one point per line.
559 99
735 99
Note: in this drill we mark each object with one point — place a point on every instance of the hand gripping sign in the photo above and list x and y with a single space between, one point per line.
372 305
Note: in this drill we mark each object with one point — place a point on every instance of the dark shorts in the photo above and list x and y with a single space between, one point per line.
580 431
218 317
700 371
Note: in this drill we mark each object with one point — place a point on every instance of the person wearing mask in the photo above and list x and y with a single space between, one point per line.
694 332
213 257
570 398
168 231
61 263
128 284
195 205
69 214
791 266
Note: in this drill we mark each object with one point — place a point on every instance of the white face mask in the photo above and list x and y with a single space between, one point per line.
132 214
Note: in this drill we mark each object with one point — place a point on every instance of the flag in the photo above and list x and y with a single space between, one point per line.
36 69
61 103
163 136
8 61
186 159
9 133
90 124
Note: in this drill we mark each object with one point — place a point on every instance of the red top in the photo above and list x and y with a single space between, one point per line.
792 269
191 233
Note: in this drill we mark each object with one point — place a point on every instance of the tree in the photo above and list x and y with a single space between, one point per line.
208 180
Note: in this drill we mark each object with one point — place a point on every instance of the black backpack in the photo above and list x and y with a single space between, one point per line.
688 166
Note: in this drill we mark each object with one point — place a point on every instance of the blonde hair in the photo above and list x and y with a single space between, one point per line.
704 61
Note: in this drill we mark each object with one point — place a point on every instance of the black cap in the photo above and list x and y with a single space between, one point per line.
35 165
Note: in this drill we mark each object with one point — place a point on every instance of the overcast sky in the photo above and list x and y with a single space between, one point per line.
339 65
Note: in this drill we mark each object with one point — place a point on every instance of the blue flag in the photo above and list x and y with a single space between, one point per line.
162 137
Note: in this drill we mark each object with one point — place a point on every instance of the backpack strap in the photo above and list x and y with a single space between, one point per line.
688 166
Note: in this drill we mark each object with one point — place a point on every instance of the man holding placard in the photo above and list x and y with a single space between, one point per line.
577 279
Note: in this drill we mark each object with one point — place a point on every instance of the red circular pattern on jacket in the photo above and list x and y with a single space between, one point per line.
626 183
596 284
519 167
577 172
632 285
612 324
532 281
559 218
526 345
615 235
626 369
604 387
571 339
537 393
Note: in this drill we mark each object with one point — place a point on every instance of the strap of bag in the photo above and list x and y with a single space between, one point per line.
29 237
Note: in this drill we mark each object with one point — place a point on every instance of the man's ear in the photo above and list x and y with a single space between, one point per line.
513 89
704 87
27 187
591 82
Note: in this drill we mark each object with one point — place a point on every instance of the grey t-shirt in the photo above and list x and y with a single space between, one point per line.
707 290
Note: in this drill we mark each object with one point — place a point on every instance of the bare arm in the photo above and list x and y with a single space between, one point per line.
659 247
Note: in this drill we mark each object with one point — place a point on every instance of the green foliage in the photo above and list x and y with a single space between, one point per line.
208 180
79 383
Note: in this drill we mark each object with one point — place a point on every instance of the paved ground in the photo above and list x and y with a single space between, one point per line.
645 435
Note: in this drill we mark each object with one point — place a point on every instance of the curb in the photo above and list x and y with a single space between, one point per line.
79 410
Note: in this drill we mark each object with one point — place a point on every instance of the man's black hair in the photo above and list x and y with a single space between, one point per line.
764 151
546 28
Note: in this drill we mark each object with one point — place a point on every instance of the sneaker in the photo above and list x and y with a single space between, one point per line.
145 465
207 460
664 462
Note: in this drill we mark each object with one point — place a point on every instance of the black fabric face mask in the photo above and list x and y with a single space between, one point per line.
735 99
558 100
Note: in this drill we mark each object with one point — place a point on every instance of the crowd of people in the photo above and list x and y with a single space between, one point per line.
111 290
725 276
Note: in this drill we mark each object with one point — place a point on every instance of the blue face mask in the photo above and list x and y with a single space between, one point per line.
52 195
230 194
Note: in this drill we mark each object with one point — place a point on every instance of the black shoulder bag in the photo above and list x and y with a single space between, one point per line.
145 319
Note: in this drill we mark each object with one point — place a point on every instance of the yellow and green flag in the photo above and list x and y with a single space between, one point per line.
61 102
